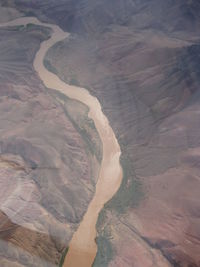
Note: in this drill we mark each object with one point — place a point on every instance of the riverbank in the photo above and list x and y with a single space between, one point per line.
110 176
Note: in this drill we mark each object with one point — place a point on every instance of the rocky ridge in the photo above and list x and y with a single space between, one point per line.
141 59
47 159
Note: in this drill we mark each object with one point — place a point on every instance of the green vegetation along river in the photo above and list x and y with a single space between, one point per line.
82 248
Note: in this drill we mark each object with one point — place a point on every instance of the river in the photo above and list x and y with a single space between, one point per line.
82 247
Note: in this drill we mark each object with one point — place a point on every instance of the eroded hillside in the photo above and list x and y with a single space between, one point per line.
141 59
49 159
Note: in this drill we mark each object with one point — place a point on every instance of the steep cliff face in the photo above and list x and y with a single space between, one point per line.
141 59
48 160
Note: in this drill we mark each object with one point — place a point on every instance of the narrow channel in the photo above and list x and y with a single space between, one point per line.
82 248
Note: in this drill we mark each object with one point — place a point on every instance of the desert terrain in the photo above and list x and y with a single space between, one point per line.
48 157
141 60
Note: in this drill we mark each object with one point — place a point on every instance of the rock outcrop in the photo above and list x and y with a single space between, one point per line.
141 59
49 160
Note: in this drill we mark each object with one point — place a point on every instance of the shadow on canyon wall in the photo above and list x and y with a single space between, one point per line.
141 59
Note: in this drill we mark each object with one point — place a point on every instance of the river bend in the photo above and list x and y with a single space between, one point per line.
82 248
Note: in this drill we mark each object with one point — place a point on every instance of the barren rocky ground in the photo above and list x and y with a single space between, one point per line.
50 156
141 59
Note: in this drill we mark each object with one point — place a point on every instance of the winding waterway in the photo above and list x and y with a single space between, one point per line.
82 248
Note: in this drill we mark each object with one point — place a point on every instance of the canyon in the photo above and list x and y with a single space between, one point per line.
141 60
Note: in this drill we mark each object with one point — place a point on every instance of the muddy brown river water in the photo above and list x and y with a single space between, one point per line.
82 248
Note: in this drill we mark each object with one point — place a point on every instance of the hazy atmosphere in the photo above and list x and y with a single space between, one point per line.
99 133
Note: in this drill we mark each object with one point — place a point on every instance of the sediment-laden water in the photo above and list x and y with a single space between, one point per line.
82 248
